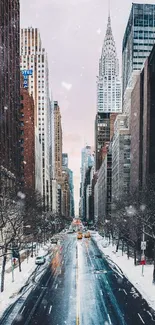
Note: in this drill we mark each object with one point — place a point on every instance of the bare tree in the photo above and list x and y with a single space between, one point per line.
11 231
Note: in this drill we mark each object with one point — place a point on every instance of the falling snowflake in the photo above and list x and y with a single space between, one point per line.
131 211
66 85
21 195
98 31
142 207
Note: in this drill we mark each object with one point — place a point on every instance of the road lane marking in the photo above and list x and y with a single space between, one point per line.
50 309
109 319
56 286
77 289
141 318
150 315
22 310
125 292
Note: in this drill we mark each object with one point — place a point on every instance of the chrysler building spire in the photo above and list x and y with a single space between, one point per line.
109 29
109 85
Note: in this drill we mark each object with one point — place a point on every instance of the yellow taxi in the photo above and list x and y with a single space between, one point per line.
87 234
79 235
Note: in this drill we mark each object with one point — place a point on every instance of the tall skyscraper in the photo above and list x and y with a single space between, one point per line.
57 142
71 185
108 93
138 40
68 171
34 66
87 160
65 160
102 135
9 94
108 83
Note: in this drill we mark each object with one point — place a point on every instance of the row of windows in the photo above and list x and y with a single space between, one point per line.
141 21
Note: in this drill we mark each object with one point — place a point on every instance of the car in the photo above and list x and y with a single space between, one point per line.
40 260
79 235
70 231
54 241
87 235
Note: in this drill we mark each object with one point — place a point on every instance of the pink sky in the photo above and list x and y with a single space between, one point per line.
72 33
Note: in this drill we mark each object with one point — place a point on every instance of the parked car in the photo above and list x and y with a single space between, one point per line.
40 260
70 231
54 241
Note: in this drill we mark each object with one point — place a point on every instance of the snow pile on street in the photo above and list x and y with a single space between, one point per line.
134 273
11 289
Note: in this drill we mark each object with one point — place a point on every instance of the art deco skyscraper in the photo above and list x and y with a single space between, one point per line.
108 93
108 84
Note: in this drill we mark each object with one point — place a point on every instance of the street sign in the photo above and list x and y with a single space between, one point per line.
26 74
143 245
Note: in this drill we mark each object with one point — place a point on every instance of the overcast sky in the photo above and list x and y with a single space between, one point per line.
72 33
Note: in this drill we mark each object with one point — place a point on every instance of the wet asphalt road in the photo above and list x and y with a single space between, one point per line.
81 287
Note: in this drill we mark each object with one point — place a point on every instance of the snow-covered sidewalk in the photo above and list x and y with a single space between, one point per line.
11 289
134 273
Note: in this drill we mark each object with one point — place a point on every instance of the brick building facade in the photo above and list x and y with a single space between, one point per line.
27 139
142 127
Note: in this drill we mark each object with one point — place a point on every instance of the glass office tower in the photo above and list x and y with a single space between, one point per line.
139 39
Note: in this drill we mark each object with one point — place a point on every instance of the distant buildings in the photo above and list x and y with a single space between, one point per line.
9 96
87 161
68 175
62 175
65 160
30 121
129 138
104 186
71 187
